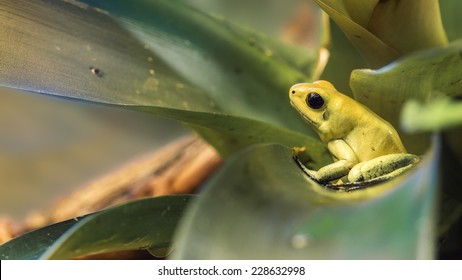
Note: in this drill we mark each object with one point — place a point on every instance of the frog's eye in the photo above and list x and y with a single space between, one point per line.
314 100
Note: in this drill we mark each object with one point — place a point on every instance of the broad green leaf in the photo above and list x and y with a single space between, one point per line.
435 115
382 31
240 132
160 54
261 206
374 50
408 26
142 224
31 245
423 76
357 10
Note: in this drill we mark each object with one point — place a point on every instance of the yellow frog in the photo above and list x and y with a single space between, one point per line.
364 146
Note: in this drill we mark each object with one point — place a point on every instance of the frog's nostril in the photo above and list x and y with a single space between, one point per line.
293 91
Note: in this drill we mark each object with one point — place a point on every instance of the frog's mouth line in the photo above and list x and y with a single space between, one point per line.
315 124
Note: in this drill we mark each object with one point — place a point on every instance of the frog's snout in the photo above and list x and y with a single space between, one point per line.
295 90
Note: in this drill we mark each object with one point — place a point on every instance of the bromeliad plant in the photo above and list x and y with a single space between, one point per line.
230 85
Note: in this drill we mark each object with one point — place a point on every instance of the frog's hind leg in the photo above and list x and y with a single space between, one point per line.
387 166
329 173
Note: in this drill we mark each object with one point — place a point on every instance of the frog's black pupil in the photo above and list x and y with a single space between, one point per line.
314 100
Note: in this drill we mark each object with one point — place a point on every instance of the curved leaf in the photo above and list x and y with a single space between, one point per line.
152 53
261 206
374 50
142 224
32 245
240 132
416 25
423 76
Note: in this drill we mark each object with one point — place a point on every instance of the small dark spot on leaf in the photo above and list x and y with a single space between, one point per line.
460 53
96 71
358 36
237 70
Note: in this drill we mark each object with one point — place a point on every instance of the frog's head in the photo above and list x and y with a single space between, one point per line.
315 102
311 100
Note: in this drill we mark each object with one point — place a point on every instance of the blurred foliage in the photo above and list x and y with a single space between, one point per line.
144 224
45 156
257 209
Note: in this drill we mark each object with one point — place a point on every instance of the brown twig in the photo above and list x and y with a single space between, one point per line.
180 167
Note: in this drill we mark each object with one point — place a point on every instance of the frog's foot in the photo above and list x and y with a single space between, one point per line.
384 167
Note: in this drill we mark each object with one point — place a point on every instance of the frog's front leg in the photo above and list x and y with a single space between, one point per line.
345 160
383 167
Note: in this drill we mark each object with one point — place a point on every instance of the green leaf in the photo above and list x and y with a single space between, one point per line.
416 25
240 132
435 115
423 76
374 50
160 54
261 206
142 224
32 245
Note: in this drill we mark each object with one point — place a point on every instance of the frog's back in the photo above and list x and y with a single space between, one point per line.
375 140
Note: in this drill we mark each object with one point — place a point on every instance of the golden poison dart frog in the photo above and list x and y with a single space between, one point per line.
364 146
